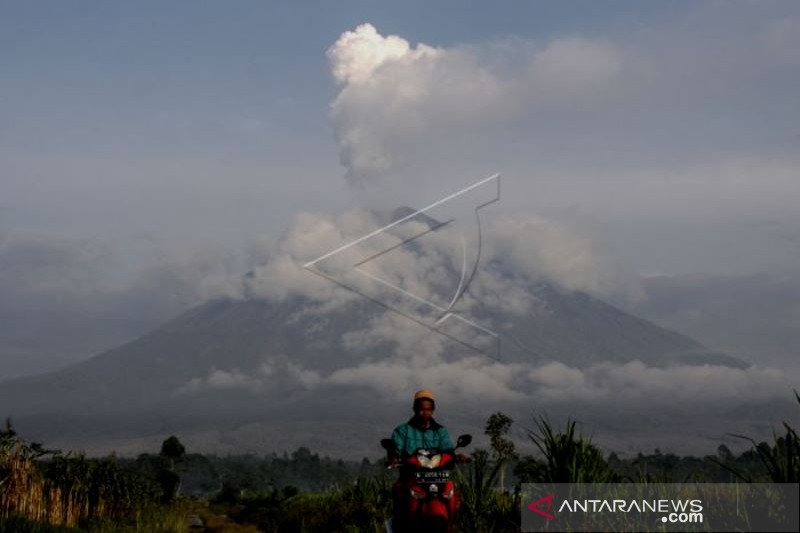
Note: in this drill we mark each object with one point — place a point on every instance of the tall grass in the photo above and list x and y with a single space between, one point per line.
569 457
23 490
71 490
485 509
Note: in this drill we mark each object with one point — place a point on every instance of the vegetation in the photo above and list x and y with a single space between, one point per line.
568 457
503 449
781 460
49 487
49 491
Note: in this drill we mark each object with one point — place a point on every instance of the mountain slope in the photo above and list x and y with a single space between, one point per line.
238 336
755 316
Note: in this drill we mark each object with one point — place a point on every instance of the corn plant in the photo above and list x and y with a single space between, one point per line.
66 489
22 490
483 508
569 457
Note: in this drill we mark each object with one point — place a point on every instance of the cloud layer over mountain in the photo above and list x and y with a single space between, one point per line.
609 387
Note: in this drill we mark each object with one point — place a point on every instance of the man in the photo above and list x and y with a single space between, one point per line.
422 431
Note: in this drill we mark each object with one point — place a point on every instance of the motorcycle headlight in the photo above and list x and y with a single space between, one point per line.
429 462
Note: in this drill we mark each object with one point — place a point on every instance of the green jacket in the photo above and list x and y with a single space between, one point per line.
409 437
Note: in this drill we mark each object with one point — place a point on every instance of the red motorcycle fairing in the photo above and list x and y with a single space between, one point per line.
425 497
442 504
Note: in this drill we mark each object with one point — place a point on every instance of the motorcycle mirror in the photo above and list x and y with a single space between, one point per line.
388 445
463 440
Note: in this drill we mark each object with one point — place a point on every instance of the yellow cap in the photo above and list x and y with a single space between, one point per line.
424 393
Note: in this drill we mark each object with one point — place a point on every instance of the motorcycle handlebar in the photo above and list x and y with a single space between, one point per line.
460 459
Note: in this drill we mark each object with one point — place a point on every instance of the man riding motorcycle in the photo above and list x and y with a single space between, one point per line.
421 433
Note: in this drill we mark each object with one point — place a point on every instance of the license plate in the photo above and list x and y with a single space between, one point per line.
439 476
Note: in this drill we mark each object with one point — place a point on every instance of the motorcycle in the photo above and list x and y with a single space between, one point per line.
425 495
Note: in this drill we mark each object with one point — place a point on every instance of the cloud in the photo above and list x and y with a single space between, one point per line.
66 299
393 96
220 380
357 54
741 183
43 264
607 386
86 270
569 68
305 377
390 336
634 383
95 279
694 119
540 249
309 236
468 378
274 375
782 39
632 386
522 247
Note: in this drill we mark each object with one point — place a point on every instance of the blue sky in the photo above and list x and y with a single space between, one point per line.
161 77
169 77
191 123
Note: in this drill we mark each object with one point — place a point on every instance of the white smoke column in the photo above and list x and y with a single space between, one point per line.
391 91
396 98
